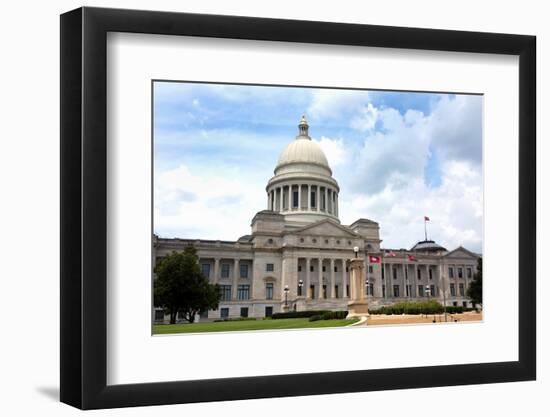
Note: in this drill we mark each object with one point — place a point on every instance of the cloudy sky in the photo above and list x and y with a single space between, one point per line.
397 156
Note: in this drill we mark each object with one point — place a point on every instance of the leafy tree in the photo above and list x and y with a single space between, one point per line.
475 290
180 286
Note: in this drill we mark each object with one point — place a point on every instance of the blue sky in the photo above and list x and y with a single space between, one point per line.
396 155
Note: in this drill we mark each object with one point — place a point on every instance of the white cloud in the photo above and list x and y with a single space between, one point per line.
334 150
217 206
332 104
366 118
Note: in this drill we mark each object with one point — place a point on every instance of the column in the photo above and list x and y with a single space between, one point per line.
309 197
344 279
416 280
336 204
299 197
308 278
280 199
326 200
332 280
320 292
216 270
289 197
235 278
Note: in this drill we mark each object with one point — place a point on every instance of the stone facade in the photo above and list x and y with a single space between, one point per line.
297 255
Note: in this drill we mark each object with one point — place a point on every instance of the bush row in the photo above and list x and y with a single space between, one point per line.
330 315
235 319
409 307
299 314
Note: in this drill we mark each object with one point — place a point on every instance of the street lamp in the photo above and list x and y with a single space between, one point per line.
300 285
429 292
356 250
286 295
367 286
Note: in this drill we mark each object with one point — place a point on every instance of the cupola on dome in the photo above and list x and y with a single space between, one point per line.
303 150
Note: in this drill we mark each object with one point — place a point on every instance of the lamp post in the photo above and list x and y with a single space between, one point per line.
356 250
286 295
429 292
367 286
300 286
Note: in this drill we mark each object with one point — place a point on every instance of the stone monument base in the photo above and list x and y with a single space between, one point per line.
358 309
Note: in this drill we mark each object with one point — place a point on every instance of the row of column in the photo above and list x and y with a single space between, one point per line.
276 197
406 280
235 277
332 289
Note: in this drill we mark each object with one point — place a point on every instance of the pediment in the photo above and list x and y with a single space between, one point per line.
461 253
325 227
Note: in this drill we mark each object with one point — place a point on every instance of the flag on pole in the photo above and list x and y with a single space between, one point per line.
390 253
426 219
411 258
374 259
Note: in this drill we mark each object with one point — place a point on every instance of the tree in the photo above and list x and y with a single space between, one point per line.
180 287
475 290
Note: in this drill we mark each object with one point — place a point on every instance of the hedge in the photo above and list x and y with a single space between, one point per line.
235 319
298 314
330 315
409 307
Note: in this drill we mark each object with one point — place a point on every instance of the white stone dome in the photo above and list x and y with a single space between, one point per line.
303 150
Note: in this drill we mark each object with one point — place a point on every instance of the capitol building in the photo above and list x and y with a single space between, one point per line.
297 254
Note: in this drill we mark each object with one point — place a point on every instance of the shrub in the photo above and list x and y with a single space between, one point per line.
410 307
235 319
298 314
330 315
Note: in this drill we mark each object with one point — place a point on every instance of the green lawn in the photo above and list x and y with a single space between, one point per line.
230 326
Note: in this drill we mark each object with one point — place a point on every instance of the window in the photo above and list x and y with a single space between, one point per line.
225 270
270 241
460 273
432 290
244 311
205 270
224 313
324 268
453 290
269 267
394 272
383 291
244 270
419 273
421 290
347 291
370 289
347 269
465 304
324 291
243 292
225 292
408 288
455 303
336 295
396 290
268 311
311 268
312 291
461 289
300 289
295 199
314 240
337 242
469 272
269 291
313 199
370 269
383 272
326 241
430 272
335 269
406 273
301 240
451 272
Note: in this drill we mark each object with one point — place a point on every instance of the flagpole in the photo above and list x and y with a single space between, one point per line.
425 230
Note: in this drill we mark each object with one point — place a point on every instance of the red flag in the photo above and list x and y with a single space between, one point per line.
390 253
411 258
426 219
374 259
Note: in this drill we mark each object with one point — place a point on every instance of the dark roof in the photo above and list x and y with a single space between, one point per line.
428 246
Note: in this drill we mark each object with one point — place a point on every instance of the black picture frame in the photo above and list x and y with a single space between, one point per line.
84 207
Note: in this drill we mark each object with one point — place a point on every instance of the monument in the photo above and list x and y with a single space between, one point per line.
357 305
